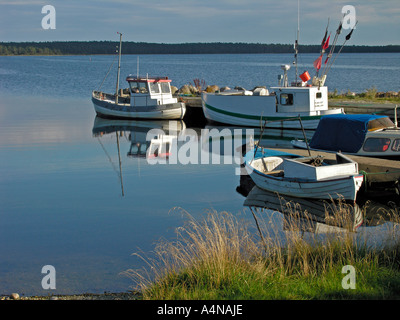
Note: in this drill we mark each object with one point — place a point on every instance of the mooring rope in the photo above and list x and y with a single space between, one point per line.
109 69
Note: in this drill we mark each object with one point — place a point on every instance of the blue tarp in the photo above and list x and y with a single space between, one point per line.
344 132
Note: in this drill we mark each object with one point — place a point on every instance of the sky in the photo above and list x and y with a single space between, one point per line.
185 21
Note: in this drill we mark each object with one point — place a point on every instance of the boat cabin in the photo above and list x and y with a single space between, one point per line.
301 99
358 134
145 91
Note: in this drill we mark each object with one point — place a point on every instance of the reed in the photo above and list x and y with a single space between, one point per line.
224 257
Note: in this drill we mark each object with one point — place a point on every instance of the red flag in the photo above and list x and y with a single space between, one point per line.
326 44
317 63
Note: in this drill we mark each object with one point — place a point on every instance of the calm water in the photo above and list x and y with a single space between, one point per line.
62 200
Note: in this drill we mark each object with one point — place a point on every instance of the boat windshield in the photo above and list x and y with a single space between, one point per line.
138 87
154 88
380 123
165 87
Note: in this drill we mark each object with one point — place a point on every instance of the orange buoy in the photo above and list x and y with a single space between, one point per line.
305 76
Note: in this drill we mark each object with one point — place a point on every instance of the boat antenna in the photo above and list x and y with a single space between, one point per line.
137 68
332 49
296 44
119 66
346 39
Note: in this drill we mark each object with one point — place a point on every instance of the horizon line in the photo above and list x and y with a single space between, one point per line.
187 43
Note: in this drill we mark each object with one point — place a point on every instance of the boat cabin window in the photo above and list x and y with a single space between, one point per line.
154 88
396 145
318 95
137 149
376 144
286 98
138 87
165 88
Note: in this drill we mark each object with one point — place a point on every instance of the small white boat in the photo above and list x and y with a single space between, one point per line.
355 134
304 177
146 98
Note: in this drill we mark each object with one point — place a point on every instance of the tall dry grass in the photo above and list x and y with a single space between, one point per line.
222 256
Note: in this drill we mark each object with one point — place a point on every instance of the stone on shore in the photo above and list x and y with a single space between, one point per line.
188 89
14 296
212 89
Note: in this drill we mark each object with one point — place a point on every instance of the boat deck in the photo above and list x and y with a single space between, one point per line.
376 169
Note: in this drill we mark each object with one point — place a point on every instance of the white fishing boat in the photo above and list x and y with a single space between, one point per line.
309 101
356 134
146 98
304 177
247 108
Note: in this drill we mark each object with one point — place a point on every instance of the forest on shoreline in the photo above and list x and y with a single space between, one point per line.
110 47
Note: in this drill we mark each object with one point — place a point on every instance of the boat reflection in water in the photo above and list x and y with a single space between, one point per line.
317 216
136 132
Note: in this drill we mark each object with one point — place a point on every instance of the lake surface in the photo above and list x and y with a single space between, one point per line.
63 202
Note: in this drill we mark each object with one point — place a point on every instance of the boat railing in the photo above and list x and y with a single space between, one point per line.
110 97
298 118
103 96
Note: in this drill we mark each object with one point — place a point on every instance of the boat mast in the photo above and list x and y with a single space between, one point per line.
119 67
296 47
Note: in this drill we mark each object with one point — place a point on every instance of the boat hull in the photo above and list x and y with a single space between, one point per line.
108 109
253 111
345 188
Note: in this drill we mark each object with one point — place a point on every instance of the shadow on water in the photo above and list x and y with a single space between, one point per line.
154 139
320 215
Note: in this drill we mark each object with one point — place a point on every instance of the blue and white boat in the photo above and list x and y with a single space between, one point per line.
146 98
355 134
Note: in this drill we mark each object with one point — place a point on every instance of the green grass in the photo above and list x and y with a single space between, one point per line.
221 257
369 95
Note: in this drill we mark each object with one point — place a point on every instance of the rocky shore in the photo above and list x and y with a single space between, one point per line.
130 295
198 87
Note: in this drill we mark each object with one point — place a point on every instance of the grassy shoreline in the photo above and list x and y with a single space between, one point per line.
370 95
223 257
220 258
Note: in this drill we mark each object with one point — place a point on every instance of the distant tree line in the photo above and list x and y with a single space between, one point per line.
109 47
